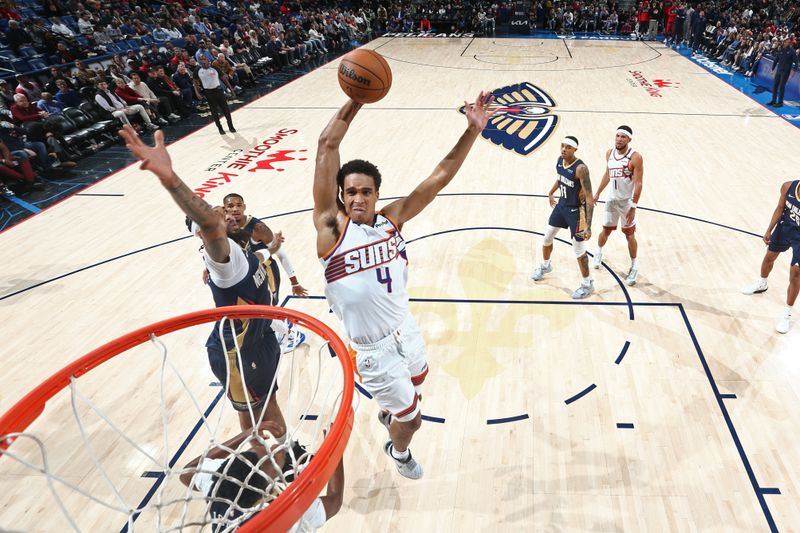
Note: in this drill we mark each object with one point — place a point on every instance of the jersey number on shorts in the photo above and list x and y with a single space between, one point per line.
385 277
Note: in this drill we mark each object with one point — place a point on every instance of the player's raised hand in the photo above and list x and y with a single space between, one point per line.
154 158
299 290
478 114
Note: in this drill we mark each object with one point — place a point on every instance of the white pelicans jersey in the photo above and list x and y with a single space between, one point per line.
621 175
365 279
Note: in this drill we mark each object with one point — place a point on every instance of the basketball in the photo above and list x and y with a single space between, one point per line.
364 76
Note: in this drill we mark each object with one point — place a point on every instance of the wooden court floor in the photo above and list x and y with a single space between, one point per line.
668 406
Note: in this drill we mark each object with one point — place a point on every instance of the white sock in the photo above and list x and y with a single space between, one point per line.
763 281
546 263
788 311
634 262
599 250
587 281
400 456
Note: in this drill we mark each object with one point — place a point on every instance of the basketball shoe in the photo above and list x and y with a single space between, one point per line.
756 288
784 324
630 280
597 260
540 271
583 291
407 467
292 340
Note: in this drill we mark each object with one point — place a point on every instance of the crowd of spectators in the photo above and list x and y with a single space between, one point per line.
134 62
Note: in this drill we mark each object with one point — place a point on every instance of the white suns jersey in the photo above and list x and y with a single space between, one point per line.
365 279
621 176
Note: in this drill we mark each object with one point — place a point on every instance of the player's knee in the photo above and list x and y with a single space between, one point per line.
794 273
630 233
550 235
410 422
579 248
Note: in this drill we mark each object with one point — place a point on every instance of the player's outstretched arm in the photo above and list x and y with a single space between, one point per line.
478 114
327 166
776 215
156 159
603 181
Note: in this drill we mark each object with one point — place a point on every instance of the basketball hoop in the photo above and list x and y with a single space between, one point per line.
290 504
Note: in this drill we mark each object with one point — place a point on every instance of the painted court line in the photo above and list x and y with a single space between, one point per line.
581 394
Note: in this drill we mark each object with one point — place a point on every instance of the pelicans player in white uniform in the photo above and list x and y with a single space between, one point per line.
624 170
366 269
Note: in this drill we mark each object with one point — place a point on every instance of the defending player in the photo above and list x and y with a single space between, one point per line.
364 257
262 238
235 276
783 233
624 169
574 210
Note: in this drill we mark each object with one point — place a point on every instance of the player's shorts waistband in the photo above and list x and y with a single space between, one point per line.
390 339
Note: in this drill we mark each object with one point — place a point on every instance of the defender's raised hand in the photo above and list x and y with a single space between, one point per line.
155 159
478 114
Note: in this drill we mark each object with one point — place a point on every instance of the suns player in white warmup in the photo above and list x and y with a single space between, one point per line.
624 170
366 269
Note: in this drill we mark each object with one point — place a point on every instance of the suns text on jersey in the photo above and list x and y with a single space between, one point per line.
373 254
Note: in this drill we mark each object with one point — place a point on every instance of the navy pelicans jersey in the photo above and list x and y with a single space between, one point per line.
249 226
273 273
790 218
621 175
365 279
572 194
252 289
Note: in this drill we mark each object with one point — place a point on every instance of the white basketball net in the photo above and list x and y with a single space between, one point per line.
188 510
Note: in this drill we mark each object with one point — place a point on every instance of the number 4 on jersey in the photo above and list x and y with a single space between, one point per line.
384 277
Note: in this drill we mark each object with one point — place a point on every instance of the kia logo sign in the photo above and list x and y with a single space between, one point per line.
519 22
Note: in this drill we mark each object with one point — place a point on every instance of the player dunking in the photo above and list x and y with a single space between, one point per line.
236 276
364 257
783 233
624 169
574 211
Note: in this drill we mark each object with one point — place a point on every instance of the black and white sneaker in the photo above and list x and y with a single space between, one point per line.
407 467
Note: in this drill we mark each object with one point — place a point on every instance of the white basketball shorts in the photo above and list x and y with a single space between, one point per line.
617 210
392 370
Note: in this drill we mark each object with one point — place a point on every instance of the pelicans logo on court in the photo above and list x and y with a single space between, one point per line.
524 120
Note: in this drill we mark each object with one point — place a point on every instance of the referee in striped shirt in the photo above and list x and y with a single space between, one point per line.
207 83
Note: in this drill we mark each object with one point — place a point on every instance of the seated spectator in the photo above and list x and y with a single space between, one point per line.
61 28
16 36
52 9
66 95
17 167
85 25
84 75
131 97
28 87
23 111
226 73
203 51
119 109
13 138
183 80
65 53
167 93
49 105
56 74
